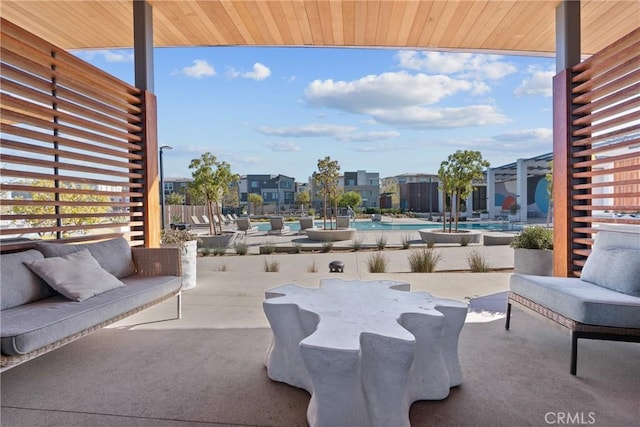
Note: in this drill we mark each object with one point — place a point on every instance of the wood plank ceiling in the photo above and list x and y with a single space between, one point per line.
480 25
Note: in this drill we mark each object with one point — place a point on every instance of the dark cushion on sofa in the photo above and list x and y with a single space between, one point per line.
113 255
28 327
18 284
579 300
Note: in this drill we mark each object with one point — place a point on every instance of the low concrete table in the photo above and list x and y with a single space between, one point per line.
365 351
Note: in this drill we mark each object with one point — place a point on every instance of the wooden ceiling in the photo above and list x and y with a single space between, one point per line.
480 25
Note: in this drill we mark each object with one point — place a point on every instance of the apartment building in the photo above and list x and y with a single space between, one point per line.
277 191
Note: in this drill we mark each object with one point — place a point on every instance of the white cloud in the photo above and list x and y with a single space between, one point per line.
199 69
475 66
384 91
107 55
283 146
260 72
440 118
311 130
369 136
529 135
538 82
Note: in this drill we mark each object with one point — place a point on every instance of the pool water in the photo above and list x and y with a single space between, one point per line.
373 226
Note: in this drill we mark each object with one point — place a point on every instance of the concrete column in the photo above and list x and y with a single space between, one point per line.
491 192
470 205
521 188
143 44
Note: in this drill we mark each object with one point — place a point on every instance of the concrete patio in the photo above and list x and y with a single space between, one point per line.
208 367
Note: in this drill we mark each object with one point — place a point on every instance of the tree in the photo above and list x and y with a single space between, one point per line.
457 174
211 182
446 186
48 209
303 198
256 200
350 199
549 178
327 180
175 199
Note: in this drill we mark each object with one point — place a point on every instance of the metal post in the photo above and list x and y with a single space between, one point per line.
162 148
430 201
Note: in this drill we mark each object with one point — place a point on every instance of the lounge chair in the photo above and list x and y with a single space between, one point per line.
244 225
305 224
278 226
221 219
235 217
343 221
195 222
205 219
231 219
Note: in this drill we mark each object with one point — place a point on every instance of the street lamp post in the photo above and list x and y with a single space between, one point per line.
278 196
162 148
430 201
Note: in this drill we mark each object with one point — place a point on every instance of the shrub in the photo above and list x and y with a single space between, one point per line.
219 250
465 239
241 248
356 245
477 262
271 266
312 268
327 246
381 242
377 263
269 247
206 251
424 260
406 241
297 248
535 237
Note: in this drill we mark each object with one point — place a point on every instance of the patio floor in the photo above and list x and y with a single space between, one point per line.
207 368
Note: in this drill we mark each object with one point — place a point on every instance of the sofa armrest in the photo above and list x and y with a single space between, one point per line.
157 261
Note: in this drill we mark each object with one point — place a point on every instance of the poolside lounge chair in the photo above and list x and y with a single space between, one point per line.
244 225
205 219
343 221
235 217
305 224
231 219
221 219
195 222
278 226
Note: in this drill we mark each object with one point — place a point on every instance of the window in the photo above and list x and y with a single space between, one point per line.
255 184
168 186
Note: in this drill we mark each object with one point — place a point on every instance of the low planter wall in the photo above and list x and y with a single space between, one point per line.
436 236
322 235
221 241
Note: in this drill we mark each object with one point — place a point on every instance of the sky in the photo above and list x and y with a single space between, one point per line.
278 110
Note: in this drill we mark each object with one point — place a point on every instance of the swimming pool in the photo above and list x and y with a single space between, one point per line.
382 226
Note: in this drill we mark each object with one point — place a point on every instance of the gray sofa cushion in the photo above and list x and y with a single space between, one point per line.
113 255
77 276
617 239
29 327
613 268
579 300
18 284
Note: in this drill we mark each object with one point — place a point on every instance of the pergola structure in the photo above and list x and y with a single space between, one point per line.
69 124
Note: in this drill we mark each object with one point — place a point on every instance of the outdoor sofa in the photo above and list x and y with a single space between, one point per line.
604 303
78 289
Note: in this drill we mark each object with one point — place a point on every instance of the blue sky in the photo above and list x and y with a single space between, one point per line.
279 110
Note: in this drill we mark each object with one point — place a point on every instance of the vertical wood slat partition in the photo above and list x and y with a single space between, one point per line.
78 149
596 150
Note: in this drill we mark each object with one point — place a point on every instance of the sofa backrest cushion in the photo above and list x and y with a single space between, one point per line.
617 239
18 284
113 255
613 268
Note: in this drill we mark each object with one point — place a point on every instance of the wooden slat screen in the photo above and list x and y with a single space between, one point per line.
602 183
73 147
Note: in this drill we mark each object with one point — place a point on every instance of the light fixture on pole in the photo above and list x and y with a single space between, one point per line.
162 148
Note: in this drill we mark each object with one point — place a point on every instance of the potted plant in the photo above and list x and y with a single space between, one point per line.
188 244
513 212
484 214
533 251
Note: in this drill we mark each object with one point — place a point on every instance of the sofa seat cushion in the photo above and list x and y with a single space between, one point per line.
581 301
31 326
18 284
114 255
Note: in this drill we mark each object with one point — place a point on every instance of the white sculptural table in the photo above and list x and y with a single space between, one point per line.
365 351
